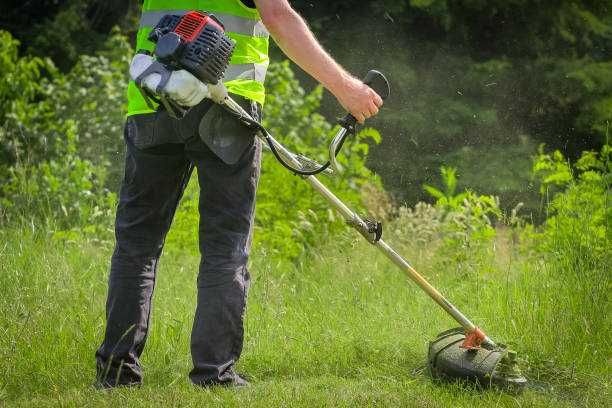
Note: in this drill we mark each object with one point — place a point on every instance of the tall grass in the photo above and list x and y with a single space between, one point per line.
343 328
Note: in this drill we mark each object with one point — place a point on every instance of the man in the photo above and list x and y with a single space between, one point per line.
161 153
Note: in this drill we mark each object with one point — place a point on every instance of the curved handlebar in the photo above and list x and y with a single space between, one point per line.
378 82
375 80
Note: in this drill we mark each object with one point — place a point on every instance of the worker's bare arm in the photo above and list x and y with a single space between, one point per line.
296 40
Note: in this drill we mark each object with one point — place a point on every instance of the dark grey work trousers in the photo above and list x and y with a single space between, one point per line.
161 154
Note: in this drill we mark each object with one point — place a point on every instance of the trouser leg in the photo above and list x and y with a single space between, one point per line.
150 192
227 203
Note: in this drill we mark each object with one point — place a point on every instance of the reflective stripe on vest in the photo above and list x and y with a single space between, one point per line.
246 73
239 25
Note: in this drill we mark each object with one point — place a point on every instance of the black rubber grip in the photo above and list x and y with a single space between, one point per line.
375 80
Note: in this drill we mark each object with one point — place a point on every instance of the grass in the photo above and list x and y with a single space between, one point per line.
343 328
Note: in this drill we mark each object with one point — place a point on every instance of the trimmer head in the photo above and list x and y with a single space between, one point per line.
498 367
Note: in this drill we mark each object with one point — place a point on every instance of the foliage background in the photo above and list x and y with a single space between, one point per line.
490 165
476 85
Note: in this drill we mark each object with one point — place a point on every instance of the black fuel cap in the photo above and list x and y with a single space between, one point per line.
169 48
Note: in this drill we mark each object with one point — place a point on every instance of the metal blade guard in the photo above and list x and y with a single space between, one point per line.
449 360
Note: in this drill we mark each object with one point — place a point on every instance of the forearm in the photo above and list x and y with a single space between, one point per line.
296 40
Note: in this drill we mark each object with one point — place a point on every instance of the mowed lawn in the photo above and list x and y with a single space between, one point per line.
342 328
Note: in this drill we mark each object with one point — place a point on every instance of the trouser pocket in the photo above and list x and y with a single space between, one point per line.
151 129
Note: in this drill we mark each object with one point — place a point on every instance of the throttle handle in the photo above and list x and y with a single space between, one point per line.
375 80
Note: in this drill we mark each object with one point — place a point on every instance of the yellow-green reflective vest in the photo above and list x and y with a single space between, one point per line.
247 71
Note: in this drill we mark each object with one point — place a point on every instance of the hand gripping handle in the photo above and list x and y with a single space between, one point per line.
375 80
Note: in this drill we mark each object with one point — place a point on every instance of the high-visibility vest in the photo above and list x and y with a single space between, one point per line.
247 70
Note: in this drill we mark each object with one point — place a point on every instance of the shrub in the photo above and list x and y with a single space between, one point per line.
59 133
68 192
23 83
458 230
467 216
578 213
91 96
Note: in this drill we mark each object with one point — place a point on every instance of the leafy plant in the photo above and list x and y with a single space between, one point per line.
552 170
91 97
465 224
447 198
57 136
63 193
23 81
466 208
579 214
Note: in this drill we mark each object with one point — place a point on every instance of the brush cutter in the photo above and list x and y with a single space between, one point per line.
196 42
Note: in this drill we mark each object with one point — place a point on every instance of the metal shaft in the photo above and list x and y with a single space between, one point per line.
358 223
354 220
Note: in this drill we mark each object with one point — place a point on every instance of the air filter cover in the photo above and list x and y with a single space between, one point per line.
196 42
